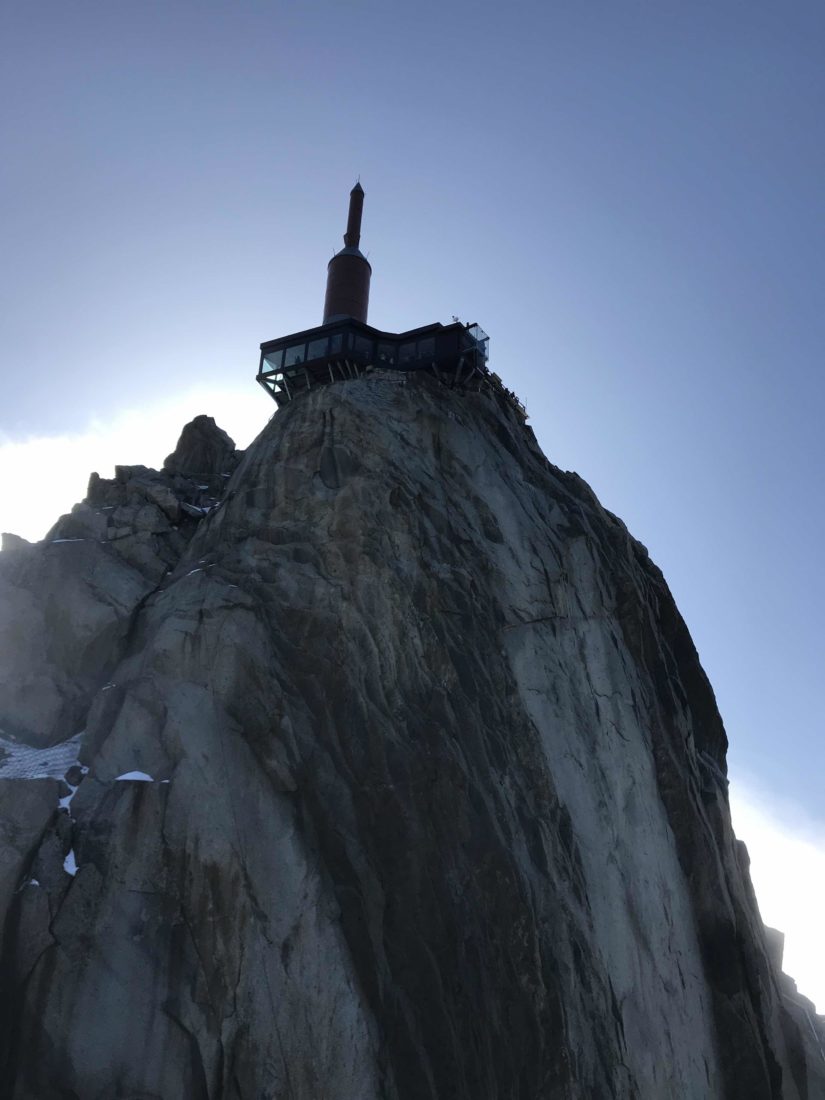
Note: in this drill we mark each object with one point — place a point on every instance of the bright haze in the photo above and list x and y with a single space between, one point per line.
627 196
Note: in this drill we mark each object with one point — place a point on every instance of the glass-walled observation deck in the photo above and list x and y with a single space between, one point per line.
347 349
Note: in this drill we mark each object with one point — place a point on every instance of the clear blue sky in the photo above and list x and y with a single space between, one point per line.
628 196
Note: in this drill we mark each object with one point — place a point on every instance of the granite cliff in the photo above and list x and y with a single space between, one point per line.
375 762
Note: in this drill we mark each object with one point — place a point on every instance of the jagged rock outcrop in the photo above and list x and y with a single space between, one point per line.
67 608
203 450
404 781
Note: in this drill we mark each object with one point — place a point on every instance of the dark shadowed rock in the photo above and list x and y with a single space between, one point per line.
203 450
13 542
405 783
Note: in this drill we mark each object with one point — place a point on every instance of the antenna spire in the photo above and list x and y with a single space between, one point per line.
348 272
352 237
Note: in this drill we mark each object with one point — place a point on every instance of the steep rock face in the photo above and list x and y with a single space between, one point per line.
427 798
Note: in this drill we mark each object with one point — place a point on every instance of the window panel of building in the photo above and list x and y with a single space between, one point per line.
317 349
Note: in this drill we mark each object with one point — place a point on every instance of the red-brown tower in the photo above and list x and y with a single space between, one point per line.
345 348
348 272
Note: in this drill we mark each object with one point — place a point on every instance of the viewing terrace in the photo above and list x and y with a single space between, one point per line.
456 354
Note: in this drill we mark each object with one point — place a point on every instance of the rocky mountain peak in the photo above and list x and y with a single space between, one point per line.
204 450
376 762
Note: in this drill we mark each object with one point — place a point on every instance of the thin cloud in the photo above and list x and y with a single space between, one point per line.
787 853
42 477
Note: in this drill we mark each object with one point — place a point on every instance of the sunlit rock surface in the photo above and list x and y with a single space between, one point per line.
404 781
